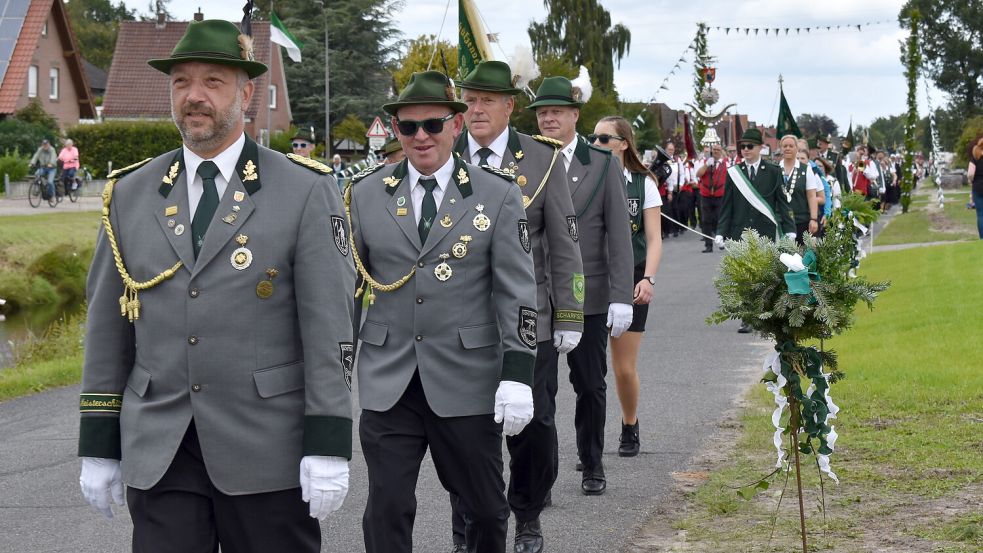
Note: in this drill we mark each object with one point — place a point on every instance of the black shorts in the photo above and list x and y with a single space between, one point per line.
640 313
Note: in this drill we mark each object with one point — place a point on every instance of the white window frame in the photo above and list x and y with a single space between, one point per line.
32 81
54 81
272 90
44 29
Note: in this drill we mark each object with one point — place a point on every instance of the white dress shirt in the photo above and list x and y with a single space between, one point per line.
497 147
756 165
568 151
417 192
226 163
652 197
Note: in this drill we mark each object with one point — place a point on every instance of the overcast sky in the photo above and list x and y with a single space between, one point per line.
842 73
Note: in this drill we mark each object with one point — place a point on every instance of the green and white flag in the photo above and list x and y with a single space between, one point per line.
280 35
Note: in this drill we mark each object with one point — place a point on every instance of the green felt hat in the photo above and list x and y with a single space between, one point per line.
824 138
392 146
752 136
213 41
490 76
812 143
305 133
427 88
556 91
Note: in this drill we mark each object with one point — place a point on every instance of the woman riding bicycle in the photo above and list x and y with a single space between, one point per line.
69 157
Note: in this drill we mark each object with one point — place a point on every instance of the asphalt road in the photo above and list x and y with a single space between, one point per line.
690 374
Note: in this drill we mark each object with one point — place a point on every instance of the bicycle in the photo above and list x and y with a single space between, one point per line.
36 192
71 186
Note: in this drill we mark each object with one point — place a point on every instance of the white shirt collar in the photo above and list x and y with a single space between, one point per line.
497 146
226 160
570 148
754 165
443 175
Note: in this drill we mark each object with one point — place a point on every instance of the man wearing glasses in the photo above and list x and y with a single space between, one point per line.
449 341
303 143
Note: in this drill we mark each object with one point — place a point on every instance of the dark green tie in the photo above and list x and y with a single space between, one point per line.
751 173
429 210
206 205
483 155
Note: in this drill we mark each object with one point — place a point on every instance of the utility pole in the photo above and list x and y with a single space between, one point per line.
327 90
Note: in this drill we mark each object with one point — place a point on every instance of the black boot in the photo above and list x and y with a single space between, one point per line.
629 440
745 329
528 537
594 482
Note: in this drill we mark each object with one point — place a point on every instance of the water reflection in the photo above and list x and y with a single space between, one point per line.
18 328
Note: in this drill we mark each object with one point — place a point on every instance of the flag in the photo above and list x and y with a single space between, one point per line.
738 130
280 35
688 137
786 122
246 27
473 45
847 143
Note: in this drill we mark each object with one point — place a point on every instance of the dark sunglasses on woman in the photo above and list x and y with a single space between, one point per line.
603 138
430 126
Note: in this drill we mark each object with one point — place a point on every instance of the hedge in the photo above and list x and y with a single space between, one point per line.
23 136
122 142
972 132
14 164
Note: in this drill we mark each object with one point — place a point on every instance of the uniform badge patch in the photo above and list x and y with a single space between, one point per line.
633 206
579 287
572 227
527 326
524 235
347 361
340 234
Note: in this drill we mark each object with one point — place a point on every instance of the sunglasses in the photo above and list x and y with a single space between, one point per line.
747 146
430 126
603 138
299 144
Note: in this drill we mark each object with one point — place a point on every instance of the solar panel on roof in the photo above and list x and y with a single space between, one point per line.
14 8
12 14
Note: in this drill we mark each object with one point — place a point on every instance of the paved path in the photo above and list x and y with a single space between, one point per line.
690 374
21 207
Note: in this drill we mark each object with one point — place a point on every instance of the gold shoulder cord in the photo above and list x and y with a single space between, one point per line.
129 303
556 154
369 282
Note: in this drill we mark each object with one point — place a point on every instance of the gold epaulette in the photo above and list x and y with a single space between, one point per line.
547 140
496 171
128 169
312 164
366 172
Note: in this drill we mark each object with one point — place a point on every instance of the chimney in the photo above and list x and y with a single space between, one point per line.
161 15
199 16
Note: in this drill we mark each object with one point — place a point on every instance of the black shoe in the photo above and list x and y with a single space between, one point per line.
528 537
745 329
629 440
459 548
594 482
675 235
708 248
548 502
579 467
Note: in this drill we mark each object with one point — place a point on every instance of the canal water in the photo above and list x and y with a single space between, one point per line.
19 328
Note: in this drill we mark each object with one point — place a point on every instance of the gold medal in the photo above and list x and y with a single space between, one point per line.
481 221
446 221
521 181
526 200
460 249
264 289
443 271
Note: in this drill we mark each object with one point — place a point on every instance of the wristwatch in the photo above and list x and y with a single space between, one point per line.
651 279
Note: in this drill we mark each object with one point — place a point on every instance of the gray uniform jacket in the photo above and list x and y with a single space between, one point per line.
597 185
537 165
266 380
466 333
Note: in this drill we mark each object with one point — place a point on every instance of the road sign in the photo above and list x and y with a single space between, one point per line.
377 130
376 143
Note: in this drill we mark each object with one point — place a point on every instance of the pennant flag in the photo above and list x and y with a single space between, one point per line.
688 137
246 26
727 31
280 35
766 31
786 122
858 27
472 45
738 131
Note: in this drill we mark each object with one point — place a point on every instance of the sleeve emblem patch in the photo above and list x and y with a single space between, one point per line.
524 239
527 326
340 234
572 227
347 361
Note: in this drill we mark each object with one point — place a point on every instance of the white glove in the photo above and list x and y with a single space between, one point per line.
101 479
323 483
619 318
790 235
513 406
718 241
565 340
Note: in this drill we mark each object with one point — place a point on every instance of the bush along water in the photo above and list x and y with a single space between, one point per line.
56 277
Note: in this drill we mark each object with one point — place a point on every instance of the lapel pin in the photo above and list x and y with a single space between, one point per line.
170 211
453 201
443 271
521 181
241 257
179 230
400 211
229 219
446 221
239 196
401 201
236 208
575 179
481 221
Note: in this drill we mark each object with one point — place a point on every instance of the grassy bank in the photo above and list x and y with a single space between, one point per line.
926 222
909 455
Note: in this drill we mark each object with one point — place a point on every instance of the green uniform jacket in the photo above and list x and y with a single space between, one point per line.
266 380
736 214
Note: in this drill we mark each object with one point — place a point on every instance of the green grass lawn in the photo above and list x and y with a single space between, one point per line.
23 238
910 451
924 222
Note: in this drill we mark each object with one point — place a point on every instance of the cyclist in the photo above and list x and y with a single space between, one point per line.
46 160
69 157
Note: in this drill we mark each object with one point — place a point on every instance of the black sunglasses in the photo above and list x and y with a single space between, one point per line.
430 126
603 138
747 146
299 144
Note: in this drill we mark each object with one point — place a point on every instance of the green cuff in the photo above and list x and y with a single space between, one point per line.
99 437
328 436
518 366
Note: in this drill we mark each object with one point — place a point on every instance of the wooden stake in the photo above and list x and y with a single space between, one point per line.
798 472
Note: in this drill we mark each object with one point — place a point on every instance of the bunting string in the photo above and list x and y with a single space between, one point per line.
640 118
776 31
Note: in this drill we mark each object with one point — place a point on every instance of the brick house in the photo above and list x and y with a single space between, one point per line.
39 59
137 91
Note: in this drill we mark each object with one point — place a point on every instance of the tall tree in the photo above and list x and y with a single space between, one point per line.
580 33
96 24
419 53
812 124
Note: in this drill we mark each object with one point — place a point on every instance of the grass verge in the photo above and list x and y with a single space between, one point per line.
910 452
926 222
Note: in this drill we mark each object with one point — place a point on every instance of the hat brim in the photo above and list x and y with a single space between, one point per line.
393 107
554 102
252 68
488 88
754 141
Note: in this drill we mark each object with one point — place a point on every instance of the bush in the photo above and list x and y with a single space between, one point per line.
22 136
23 290
972 132
281 140
13 164
65 267
64 338
122 142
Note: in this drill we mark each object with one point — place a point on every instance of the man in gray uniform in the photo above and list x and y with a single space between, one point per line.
449 340
538 169
229 371
604 232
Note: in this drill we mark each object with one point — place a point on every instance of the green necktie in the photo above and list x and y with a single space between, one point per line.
429 210
751 172
206 205
483 155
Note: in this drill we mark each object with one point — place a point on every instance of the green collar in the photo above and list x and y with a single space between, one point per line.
246 168
460 176
583 151
514 146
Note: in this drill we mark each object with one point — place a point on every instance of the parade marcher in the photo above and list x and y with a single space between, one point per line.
863 173
800 184
448 349
604 233
222 381
46 161
393 152
644 208
535 162
713 178
303 143
754 198
674 183
685 203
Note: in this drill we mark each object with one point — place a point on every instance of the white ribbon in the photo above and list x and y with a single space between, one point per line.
773 364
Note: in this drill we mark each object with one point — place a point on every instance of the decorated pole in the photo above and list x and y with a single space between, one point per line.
912 58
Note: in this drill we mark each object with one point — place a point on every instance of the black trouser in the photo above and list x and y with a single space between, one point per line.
467 453
668 207
185 513
686 208
588 367
801 229
533 452
709 214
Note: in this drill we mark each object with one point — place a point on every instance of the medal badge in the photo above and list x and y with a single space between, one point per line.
241 257
264 289
401 201
521 180
238 195
170 211
460 249
171 223
481 221
446 222
443 271
179 230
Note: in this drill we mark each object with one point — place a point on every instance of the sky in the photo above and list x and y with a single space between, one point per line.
843 73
